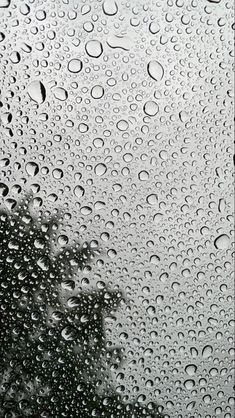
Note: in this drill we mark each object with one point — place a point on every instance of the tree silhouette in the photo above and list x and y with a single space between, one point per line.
55 359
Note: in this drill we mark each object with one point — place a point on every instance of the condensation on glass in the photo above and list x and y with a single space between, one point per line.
116 289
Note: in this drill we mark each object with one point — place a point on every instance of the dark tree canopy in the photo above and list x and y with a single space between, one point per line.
55 359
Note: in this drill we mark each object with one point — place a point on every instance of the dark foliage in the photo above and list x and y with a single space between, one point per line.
55 359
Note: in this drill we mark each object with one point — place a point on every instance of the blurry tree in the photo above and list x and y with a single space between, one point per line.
55 359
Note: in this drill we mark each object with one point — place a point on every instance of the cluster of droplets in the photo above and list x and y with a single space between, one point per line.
121 113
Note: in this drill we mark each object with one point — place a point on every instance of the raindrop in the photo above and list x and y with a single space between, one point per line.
122 125
86 210
222 242
100 169
154 28
110 7
60 93
79 191
68 333
152 199
207 351
97 92
57 173
37 91
4 189
151 108
94 48
157 217
15 57
5 3
191 369
143 175
32 169
75 65
155 70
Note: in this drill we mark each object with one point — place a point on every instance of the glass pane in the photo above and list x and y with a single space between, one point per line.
116 219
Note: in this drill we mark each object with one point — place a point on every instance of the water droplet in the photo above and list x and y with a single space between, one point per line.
152 199
110 7
119 41
57 173
207 351
60 93
15 57
79 191
183 116
155 70
191 369
97 92
154 28
40 15
5 3
75 65
151 108
32 169
143 175
4 189
68 333
86 210
98 142
157 217
222 242
122 125
37 91
94 48
100 169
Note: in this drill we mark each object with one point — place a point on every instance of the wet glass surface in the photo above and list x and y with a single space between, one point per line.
116 218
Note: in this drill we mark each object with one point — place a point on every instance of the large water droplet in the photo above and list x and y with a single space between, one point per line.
5 3
37 91
4 189
155 70
32 169
79 191
151 108
60 93
94 48
75 65
207 351
222 242
100 169
110 7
